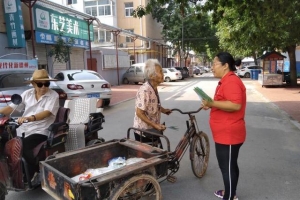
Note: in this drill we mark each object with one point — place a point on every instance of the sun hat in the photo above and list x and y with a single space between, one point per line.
40 75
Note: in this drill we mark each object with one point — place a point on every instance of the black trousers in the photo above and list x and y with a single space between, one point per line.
227 156
29 143
149 140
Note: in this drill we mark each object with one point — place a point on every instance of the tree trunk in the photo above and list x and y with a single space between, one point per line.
293 71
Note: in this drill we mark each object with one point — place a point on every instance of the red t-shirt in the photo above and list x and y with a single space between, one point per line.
229 127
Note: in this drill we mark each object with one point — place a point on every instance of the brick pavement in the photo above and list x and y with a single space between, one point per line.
286 98
122 93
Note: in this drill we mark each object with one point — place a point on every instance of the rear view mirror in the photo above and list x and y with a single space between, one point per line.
16 99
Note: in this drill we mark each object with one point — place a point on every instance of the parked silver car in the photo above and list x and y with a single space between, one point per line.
12 81
171 74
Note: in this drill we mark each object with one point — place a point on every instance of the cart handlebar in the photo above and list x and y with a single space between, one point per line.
152 133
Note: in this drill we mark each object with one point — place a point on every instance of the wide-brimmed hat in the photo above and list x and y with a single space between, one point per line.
40 75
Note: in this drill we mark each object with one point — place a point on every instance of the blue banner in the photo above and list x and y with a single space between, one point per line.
48 38
14 24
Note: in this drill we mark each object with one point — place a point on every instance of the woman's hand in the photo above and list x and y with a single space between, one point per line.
166 111
22 120
160 127
206 104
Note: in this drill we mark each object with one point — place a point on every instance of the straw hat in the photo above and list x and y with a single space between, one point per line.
40 75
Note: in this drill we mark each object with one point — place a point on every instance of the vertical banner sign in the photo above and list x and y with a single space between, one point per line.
14 23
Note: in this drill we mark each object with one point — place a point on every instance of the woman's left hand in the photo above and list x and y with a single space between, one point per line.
205 104
166 111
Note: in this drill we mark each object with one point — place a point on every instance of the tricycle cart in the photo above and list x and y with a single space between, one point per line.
135 181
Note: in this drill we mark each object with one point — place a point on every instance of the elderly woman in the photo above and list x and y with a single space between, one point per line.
41 105
147 103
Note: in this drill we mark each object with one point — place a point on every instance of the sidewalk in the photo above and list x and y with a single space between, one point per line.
121 93
286 97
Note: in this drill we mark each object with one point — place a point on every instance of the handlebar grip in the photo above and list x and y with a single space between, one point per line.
189 112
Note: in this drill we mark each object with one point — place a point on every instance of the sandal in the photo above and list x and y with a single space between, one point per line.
220 194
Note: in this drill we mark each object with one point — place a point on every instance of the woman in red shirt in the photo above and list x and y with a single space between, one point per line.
227 121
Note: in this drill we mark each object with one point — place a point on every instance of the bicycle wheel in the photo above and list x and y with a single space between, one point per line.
143 186
199 154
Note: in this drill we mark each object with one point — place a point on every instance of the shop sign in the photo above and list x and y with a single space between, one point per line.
8 64
48 38
53 22
14 24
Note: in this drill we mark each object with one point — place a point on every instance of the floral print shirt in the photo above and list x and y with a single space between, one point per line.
148 101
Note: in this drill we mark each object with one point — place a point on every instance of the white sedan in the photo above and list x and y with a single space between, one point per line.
171 74
84 84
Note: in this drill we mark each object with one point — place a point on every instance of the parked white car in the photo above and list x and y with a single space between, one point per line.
244 71
171 74
84 84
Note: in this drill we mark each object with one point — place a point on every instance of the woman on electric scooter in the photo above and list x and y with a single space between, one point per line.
41 105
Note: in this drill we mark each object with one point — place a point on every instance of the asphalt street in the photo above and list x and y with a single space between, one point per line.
269 160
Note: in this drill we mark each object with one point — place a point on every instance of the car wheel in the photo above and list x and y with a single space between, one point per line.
167 79
125 81
106 102
247 75
197 74
136 83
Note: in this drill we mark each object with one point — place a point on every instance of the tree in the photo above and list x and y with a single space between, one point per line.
61 49
188 30
246 27
249 27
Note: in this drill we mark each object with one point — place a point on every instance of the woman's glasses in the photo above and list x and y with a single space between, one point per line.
46 84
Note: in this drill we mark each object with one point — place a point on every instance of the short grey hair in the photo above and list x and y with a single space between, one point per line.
150 68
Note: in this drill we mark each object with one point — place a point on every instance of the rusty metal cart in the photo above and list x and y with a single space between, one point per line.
136 181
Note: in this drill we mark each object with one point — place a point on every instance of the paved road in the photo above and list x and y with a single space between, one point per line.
269 160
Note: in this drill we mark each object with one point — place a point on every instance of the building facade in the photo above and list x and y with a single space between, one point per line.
118 13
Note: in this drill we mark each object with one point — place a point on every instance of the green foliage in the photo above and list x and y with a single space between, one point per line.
246 27
61 50
198 32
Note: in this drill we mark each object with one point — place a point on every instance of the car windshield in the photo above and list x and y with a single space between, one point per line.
84 76
14 79
172 70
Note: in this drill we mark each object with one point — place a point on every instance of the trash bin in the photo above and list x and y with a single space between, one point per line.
252 73
255 74
287 77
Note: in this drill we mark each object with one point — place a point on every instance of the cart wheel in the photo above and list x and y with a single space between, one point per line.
143 186
199 154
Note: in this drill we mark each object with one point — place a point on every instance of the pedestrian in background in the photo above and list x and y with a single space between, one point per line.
227 121
148 107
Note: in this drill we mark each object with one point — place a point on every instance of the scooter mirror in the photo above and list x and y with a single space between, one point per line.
16 99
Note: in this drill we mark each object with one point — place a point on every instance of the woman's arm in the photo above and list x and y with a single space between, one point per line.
141 114
6 110
222 105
